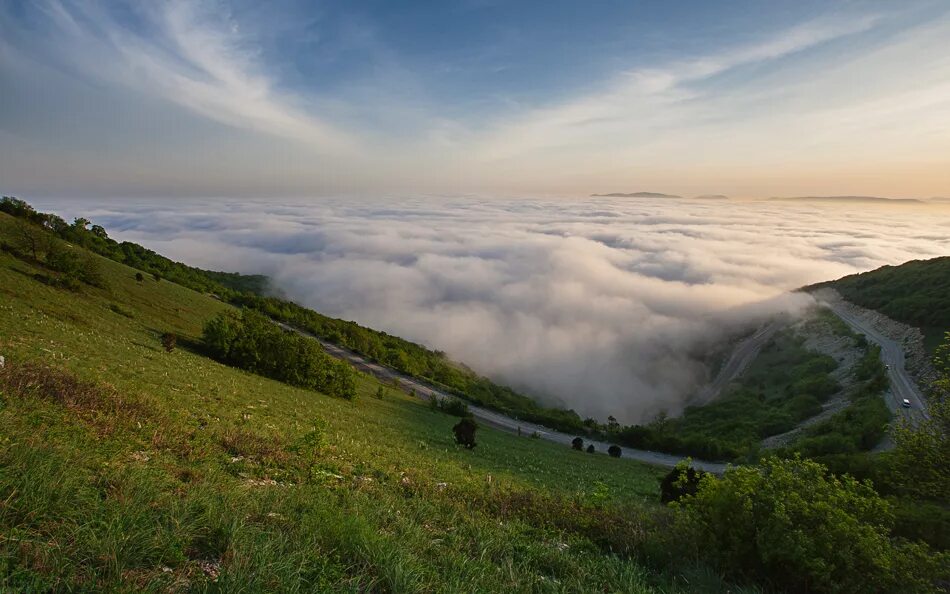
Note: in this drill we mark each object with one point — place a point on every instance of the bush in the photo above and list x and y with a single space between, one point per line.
591 449
139 277
614 451
452 406
169 341
789 522
254 343
681 482
465 432
577 443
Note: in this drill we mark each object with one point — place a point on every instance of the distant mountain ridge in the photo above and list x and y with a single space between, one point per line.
637 195
846 199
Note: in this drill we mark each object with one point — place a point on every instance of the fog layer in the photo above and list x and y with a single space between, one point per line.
601 304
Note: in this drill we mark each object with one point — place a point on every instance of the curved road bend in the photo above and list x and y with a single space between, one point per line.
892 354
745 352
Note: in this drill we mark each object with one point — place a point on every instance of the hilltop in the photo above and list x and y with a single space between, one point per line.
637 195
916 293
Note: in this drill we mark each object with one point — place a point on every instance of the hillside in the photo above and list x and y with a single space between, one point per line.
915 293
149 468
128 463
252 291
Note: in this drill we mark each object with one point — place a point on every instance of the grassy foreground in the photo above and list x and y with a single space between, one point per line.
125 467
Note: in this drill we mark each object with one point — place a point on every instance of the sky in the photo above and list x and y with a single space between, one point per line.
184 98
608 306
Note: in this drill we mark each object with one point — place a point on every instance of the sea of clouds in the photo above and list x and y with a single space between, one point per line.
606 305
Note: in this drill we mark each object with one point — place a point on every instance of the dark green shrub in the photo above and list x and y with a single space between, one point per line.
790 522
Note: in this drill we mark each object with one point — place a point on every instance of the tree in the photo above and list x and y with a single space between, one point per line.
31 239
139 277
614 451
681 482
169 341
590 449
465 432
577 443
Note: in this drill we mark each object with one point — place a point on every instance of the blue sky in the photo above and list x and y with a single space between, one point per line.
303 98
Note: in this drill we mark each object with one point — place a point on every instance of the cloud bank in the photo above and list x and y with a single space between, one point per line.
602 305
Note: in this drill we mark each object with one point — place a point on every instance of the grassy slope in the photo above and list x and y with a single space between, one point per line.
96 499
916 293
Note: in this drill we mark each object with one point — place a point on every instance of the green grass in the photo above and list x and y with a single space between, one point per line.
213 479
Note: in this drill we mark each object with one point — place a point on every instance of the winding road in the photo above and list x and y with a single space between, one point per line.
746 350
902 385
743 354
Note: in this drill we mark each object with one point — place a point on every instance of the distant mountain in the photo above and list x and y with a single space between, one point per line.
638 195
712 197
847 199
938 199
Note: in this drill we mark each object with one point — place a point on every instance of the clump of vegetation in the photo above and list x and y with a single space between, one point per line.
591 449
254 343
451 406
577 443
614 451
139 277
88 399
789 522
464 432
116 308
73 267
169 341
682 481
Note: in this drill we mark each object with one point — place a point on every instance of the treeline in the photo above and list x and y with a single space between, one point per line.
254 343
249 291
94 238
414 360
65 265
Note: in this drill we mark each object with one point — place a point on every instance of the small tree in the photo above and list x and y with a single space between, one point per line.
591 449
169 341
577 443
30 239
139 276
156 276
682 481
465 432
614 451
